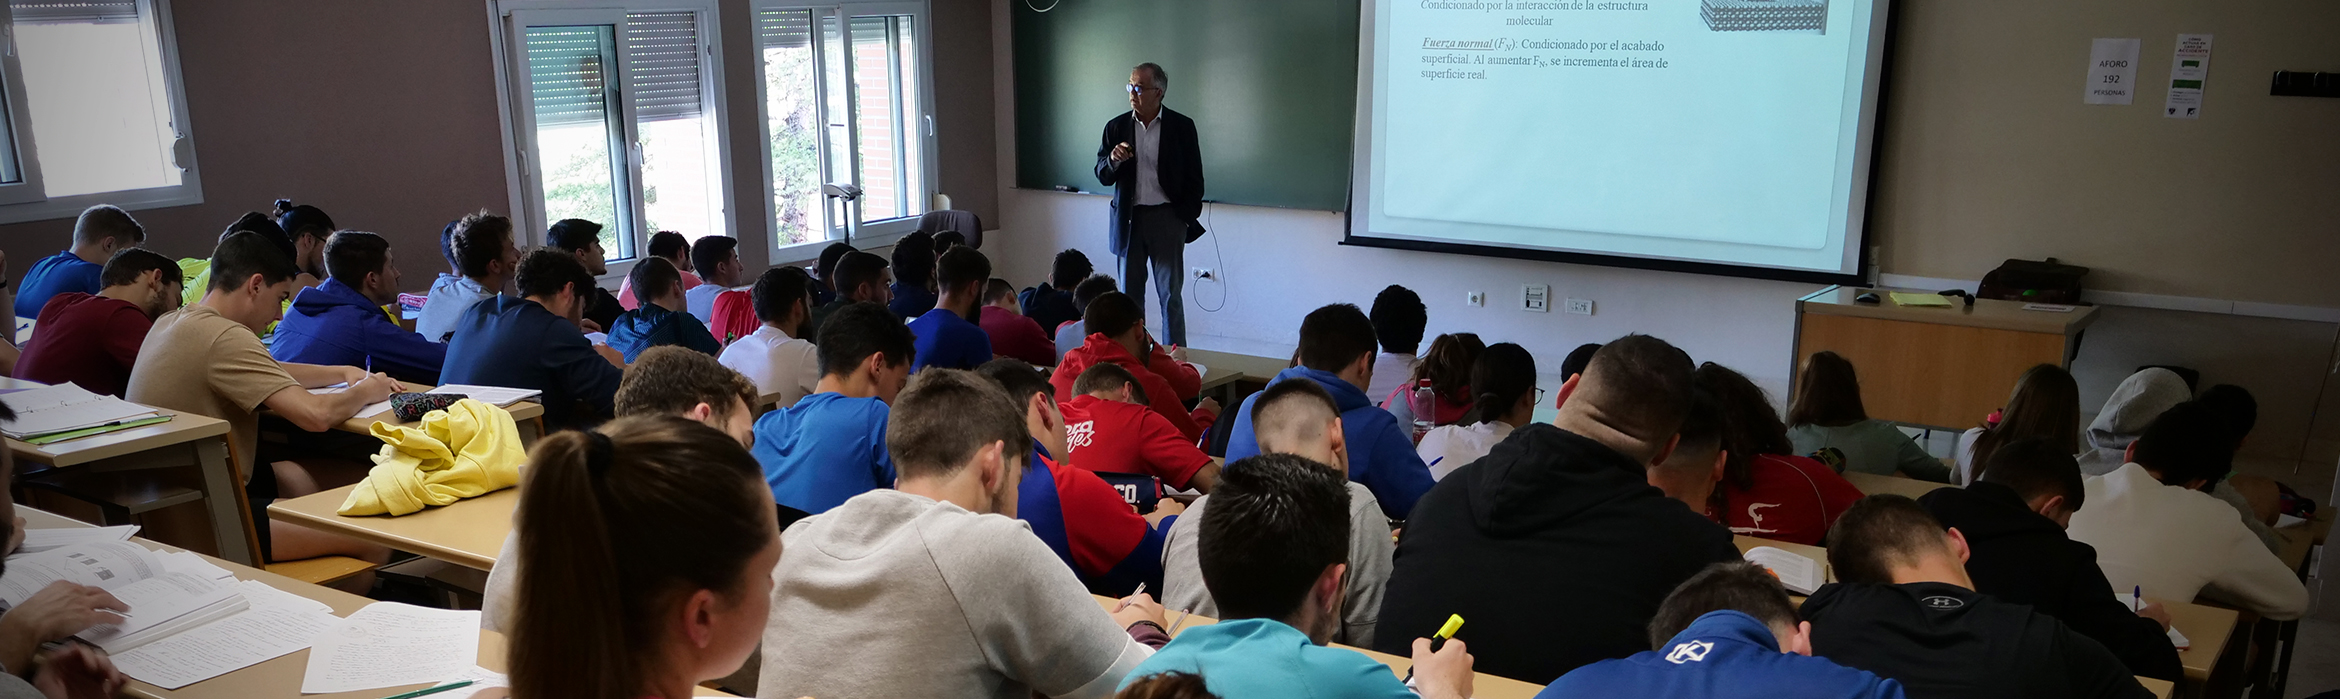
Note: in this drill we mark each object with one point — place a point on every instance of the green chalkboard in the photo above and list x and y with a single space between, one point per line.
1271 85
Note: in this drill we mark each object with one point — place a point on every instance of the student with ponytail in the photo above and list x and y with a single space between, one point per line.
1504 381
310 229
1448 367
613 608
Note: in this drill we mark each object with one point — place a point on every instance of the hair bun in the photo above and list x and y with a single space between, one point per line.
284 205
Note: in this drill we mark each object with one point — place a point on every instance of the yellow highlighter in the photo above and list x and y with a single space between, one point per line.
1453 624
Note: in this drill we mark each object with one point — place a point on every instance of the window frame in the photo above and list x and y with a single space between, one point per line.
28 201
873 234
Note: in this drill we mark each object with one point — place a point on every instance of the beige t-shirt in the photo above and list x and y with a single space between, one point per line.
198 361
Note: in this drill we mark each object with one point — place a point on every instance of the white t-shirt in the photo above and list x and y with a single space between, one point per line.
1450 447
1390 370
776 363
2175 542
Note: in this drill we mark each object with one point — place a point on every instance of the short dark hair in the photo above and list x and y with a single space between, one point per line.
245 253
303 221
545 272
1170 684
1071 266
2235 407
1398 319
670 380
447 243
1701 433
712 250
828 262
1091 288
1111 314
1828 393
1641 385
351 255
999 290
1736 586
2036 468
853 333
127 264
1106 376
1578 359
1878 533
1333 336
779 289
572 234
2187 442
106 221
945 416
855 269
1276 521
1289 406
945 240
669 245
914 259
480 239
1019 379
1751 428
962 266
651 278
260 223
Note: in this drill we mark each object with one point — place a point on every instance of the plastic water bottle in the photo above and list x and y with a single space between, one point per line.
1424 402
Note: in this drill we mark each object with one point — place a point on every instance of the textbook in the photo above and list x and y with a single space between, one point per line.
1800 574
67 408
167 593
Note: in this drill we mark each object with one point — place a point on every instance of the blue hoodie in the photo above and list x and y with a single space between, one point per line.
333 324
1723 655
652 326
1381 455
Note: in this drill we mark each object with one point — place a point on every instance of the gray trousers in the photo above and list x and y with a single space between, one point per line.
1157 244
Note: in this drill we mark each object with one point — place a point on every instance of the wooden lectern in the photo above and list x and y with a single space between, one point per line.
1931 366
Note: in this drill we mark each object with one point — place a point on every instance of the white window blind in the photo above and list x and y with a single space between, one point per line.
784 29
662 57
69 11
564 65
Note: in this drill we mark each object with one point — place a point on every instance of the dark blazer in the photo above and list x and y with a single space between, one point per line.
1180 172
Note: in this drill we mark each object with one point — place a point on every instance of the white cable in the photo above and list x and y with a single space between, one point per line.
1221 270
1051 6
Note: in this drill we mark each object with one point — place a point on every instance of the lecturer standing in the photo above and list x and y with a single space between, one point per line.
1153 159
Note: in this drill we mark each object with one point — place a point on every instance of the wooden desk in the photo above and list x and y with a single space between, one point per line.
528 416
187 440
1484 686
1931 366
2209 628
468 533
1216 377
1872 484
1256 368
2161 689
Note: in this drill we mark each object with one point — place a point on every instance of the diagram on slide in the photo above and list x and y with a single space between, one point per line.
1765 15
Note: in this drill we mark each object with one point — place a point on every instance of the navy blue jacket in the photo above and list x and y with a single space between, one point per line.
652 326
1723 655
332 324
1178 167
514 342
1381 454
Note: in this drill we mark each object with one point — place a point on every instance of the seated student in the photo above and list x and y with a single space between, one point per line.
485 253
101 231
930 589
945 240
779 356
93 341
207 359
29 668
1398 319
660 320
946 336
669 382
532 341
1765 492
1727 632
1504 379
583 239
2045 405
1051 303
1111 430
831 446
198 271
309 228
612 607
913 289
860 278
1080 516
2013 520
1274 551
1118 336
2155 525
1013 335
717 259
2133 405
669 246
1506 543
2239 412
341 321
1690 472
825 273
1903 607
1336 352
1574 364
1070 335
1447 366
1827 414
1296 418
453 277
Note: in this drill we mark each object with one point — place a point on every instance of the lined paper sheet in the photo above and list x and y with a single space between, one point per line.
388 644
279 622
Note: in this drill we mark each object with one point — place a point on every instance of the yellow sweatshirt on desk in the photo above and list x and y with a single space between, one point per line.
468 450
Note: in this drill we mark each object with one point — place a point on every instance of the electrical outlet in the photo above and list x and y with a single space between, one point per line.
1476 298
1582 307
1205 273
1535 297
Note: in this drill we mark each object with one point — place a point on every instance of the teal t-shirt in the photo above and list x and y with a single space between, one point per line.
1265 659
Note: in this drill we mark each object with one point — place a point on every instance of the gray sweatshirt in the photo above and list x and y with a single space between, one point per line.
1370 548
1872 446
896 595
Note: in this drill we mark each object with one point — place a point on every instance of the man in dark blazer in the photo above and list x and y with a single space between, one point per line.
1153 159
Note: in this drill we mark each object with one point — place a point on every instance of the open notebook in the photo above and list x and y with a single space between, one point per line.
167 593
1800 574
67 408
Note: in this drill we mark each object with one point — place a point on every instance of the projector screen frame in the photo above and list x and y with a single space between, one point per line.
1866 162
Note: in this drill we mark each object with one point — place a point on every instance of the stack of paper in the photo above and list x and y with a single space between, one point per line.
67 408
492 395
166 596
277 623
39 540
1800 574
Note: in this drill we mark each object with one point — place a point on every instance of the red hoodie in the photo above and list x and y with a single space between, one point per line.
1168 383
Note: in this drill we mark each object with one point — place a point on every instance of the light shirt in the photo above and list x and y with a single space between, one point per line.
2174 542
443 310
198 361
1148 145
1370 552
700 301
1390 370
776 363
1451 447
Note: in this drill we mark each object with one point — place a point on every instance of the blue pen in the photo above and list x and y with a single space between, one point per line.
2137 600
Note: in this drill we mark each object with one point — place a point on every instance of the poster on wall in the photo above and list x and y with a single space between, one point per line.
2188 69
2112 71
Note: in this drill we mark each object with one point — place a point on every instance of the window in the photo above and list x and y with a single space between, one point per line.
616 120
845 103
94 110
